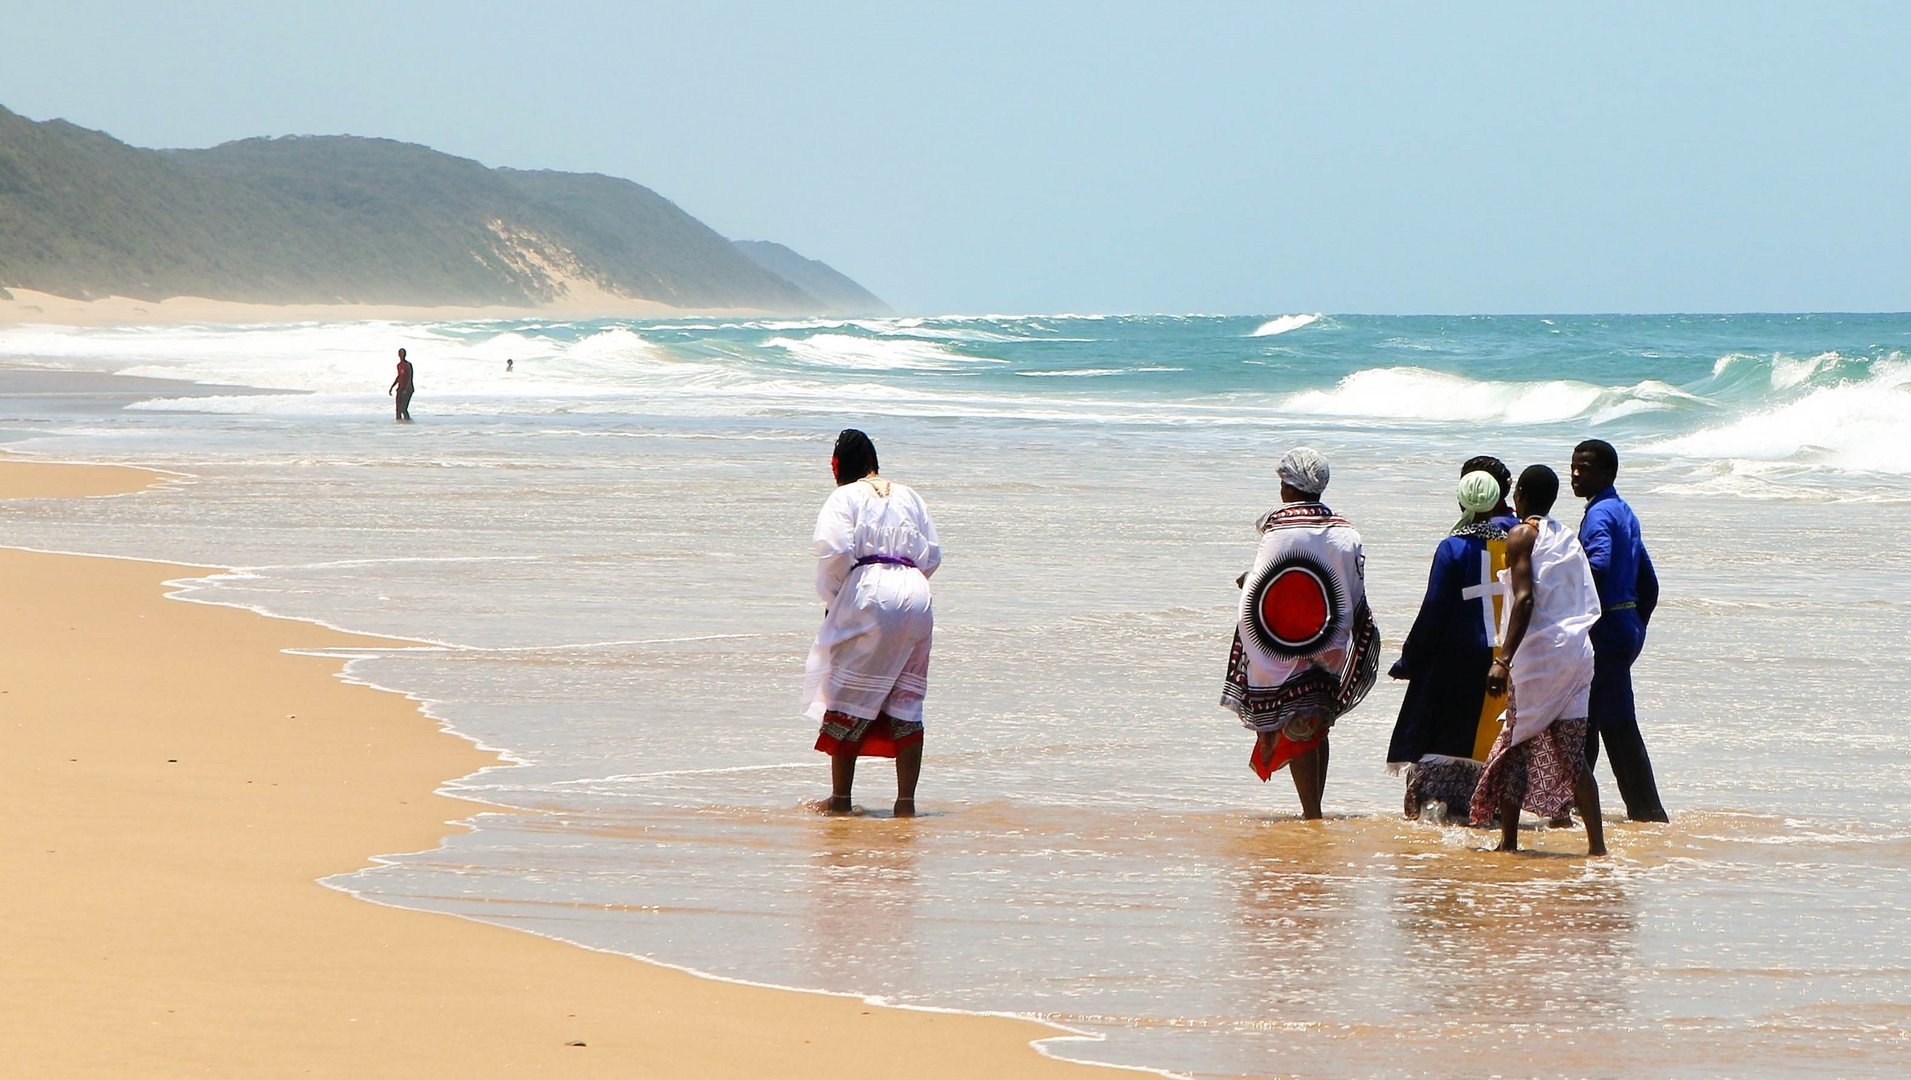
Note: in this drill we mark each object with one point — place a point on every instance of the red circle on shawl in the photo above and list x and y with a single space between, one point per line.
1295 606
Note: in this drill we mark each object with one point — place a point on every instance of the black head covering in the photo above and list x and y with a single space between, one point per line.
855 456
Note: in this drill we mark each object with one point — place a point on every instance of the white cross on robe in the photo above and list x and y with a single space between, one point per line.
1485 592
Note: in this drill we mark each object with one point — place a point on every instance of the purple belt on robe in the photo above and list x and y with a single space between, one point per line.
887 560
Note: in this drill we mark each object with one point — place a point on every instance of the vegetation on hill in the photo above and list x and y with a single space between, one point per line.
341 219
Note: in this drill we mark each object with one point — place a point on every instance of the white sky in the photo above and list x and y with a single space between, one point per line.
1113 157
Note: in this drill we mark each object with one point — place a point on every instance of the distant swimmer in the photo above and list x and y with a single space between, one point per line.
1629 591
869 667
402 386
507 365
1545 668
1305 648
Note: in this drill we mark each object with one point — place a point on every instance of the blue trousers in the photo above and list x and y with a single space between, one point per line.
1617 639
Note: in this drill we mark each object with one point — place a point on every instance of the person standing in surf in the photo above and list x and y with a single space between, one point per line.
1628 591
1446 718
402 386
868 670
1545 670
1305 648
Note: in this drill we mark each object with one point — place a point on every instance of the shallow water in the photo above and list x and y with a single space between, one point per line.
614 568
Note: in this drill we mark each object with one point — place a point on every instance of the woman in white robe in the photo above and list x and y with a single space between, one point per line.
869 667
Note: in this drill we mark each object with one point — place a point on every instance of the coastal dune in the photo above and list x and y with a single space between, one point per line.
580 299
174 785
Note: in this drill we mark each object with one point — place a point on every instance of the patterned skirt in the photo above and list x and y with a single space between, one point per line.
1539 772
1444 781
1299 712
1313 694
846 735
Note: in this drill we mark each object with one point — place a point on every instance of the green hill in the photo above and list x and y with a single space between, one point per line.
341 219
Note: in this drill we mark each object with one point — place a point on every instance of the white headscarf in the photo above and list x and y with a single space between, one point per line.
1305 470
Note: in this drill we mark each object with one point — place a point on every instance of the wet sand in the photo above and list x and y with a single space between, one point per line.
175 783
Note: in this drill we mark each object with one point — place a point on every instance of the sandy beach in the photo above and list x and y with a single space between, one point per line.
607 550
175 784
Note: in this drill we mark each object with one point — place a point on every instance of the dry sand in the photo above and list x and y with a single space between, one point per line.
172 785
584 301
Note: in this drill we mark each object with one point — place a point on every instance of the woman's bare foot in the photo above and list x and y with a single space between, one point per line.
905 808
838 804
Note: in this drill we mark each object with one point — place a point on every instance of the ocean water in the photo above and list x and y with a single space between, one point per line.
605 554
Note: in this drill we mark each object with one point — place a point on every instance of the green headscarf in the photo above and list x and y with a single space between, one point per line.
1479 491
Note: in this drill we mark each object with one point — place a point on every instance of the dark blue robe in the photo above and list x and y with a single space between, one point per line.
1445 657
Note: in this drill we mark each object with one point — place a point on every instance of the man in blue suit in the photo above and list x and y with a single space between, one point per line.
1628 592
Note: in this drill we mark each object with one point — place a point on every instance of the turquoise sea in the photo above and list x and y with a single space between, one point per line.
605 554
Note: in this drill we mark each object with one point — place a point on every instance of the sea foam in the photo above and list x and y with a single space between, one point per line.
1816 397
871 354
1856 424
1422 394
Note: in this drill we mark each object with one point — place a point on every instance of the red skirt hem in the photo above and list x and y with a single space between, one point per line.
1285 750
876 742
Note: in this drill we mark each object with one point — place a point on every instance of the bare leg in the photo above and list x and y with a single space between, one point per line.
1320 780
1509 824
1586 796
908 769
842 775
1310 779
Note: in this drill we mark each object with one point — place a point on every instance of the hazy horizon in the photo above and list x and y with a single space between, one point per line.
1116 158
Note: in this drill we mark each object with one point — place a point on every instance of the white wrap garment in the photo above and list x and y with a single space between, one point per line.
871 656
1553 668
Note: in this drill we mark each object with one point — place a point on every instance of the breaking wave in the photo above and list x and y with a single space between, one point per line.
1855 422
1285 323
871 354
1422 394
1782 396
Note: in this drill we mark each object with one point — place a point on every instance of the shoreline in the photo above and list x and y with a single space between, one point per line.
29 307
179 783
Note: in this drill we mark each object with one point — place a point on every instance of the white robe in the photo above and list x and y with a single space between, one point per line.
871 656
1552 671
